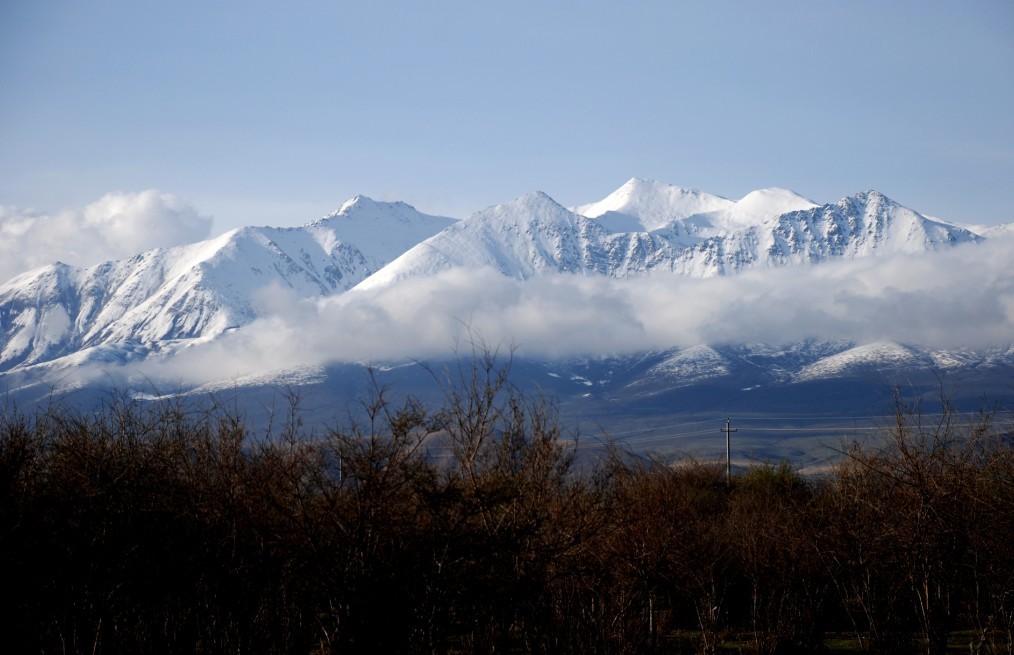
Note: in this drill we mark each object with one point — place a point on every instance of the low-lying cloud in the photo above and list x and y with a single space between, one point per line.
957 299
117 225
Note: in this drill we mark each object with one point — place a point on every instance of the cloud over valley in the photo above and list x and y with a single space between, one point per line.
958 299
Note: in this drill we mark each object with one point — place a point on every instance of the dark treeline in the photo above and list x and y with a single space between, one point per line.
469 528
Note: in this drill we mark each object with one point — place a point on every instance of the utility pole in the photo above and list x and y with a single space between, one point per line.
728 451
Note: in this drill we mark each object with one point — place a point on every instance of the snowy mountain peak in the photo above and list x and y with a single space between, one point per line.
637 186
650 205
520 238
878 356
640 187
870 198
156 298
860 225
534 206
768 227
202 289
687 214
33 277
874 204
762 205
364 208
358 200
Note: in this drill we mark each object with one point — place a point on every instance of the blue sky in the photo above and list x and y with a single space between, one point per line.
275 113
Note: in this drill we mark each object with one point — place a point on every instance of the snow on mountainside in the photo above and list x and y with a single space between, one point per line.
380 231
690 365
153 300
874 357
1005 231
646 205
534 234
199 290
765 204
520 238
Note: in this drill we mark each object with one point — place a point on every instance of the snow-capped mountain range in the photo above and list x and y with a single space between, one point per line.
157 300
648 226
199 290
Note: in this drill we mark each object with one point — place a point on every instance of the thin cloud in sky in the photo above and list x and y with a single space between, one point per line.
957 299
117 225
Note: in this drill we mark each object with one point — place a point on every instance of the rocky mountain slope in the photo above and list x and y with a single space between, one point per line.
200 290
156 300
646 227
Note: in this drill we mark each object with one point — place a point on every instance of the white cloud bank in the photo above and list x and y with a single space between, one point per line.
961 298
117 225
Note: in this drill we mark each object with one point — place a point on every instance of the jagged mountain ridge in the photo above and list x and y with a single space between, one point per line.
199 290
534 233
202 290
646 206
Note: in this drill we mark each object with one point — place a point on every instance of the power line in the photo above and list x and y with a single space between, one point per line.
664 427
871 428
671 435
